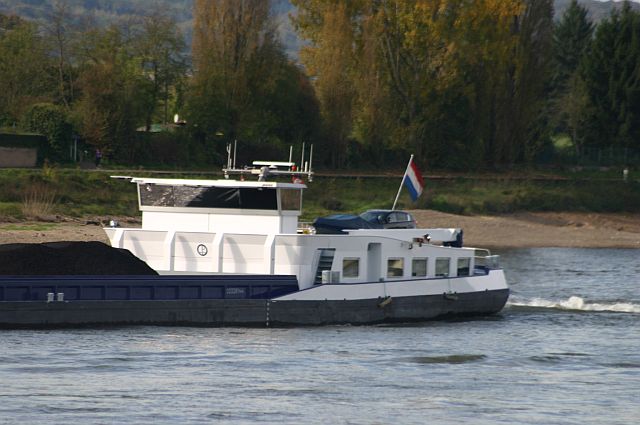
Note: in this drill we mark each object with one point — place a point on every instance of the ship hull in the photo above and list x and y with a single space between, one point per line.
250 312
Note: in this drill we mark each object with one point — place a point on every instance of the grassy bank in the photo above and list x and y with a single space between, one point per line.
467 196
49 192
78 193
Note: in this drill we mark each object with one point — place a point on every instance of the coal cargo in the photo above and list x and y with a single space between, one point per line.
69 258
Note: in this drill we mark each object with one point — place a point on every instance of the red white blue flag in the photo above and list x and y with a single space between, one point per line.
413 180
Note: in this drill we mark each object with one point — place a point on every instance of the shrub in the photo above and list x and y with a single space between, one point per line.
51 121
38 201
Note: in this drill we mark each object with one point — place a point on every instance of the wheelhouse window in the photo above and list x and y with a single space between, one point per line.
290 199
398 217
393 218
442 267
464 266
251 198
351 267
395 267
419 267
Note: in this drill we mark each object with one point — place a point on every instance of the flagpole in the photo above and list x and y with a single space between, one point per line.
401 183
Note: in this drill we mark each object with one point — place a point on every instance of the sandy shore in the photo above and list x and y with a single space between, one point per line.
510 231
530 230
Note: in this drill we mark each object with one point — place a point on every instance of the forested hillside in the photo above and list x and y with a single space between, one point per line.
105 12
462 85
102 10
109 11
598 10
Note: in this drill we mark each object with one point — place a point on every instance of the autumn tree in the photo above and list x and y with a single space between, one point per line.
229 38
24 77
60 35
526 120
372 114
452 81
244 86
110 106
160 45
330 60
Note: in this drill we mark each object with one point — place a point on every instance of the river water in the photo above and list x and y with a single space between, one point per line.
566 350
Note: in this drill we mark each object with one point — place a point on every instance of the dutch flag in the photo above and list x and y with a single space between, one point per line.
413 180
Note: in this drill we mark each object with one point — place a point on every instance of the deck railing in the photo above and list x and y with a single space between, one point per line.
484 259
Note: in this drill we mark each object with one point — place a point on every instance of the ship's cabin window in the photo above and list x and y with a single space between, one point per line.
395 267
419 267
442 267
393 218
351 267
464 266
398 217
290 199
250 198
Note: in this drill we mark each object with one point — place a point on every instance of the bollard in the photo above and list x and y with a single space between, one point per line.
50 297
60 296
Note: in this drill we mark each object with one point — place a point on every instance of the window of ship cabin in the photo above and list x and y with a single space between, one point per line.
464 266
442 267
398 217
351 267
419 267
290 199
393 218
395 267
251 198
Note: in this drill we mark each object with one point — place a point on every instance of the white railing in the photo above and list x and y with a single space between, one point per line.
484 259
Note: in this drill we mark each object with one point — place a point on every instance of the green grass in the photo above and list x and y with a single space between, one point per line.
87 193
562 141
465 196
31 227
79 193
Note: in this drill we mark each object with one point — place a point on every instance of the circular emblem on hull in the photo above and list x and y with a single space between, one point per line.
202 250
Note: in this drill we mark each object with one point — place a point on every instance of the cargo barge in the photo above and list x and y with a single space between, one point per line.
231 252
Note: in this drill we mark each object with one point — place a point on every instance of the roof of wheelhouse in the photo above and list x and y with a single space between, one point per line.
217 183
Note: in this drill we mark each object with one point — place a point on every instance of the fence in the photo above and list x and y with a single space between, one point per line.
601 157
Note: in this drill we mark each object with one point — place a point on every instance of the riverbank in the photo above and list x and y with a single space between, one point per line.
81 193
541 229
521 230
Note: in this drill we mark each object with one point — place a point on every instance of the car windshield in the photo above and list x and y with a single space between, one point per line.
372 216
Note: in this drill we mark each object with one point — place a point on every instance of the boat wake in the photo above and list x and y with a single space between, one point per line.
576 304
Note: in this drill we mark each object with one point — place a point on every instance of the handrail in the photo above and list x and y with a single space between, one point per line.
486 261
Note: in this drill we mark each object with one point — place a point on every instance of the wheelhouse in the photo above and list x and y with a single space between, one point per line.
219 205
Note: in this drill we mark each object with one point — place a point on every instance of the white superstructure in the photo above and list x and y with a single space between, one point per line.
242 227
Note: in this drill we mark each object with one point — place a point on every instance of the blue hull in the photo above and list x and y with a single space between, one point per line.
237 300
146 288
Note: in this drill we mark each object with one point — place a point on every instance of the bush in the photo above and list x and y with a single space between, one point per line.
38 201
50 121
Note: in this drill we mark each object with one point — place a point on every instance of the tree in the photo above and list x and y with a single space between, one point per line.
485 42
51 121
160 45
111 82
229 36
527 118
571 42
377 65
244 87
330 62
23 68
60 32
451 80
612 81
372 109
